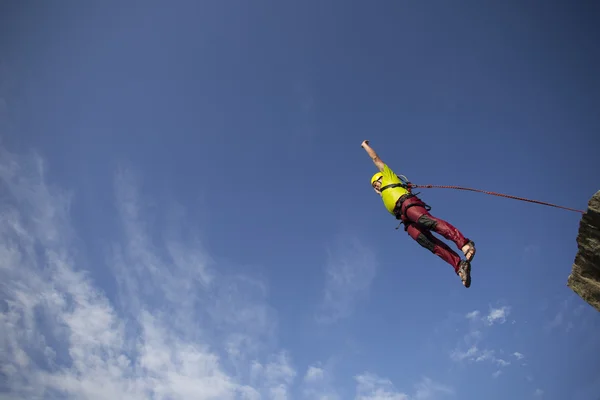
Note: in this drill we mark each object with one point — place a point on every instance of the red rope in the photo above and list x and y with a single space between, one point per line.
412 185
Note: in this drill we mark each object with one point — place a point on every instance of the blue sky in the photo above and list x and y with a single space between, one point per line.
186 209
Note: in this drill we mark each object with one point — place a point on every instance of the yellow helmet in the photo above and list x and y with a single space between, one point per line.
375 177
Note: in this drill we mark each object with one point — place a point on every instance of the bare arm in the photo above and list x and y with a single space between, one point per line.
378 163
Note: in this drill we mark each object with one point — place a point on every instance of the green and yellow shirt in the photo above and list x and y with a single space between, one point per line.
391 195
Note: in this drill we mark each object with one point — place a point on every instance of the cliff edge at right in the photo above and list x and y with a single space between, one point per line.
585 274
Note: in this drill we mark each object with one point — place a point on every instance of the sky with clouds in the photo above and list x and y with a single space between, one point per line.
186 211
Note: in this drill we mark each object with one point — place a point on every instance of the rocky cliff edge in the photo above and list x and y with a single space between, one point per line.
585 274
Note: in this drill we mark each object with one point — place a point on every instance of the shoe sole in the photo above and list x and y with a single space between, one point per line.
467 282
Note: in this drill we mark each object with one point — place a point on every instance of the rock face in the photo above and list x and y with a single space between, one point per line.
585 275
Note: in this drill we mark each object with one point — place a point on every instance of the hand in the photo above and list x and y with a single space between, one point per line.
365 142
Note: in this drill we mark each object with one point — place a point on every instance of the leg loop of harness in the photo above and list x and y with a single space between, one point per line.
400 211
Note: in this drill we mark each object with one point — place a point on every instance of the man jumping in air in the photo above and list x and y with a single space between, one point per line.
418 222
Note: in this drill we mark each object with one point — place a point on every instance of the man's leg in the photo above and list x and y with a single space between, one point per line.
421 216
433 244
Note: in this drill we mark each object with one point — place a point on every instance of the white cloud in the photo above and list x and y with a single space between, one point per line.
372 387
475 354
313 374
175 328
494 316
496 374
501 362
470 354
276 376
318 384
350 271
518 355
472 348
538 392
498 315
485 355
427 389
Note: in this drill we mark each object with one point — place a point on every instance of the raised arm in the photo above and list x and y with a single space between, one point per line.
378 163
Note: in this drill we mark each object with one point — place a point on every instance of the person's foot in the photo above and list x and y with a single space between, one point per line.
464 272
469 250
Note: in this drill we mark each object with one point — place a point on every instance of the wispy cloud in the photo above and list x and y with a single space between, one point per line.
567 317
538 392
501 362
497 315
318 384
476 354
275 377
350 270
313 374
175 328
472 348
369 386
427 389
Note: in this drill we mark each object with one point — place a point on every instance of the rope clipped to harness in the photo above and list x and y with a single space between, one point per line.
406 184
412 185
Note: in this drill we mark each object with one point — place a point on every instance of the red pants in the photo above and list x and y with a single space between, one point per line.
419 224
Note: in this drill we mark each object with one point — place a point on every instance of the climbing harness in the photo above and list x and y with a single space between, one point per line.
398 212
404 183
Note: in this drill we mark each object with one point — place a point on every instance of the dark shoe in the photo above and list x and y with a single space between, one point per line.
464 272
